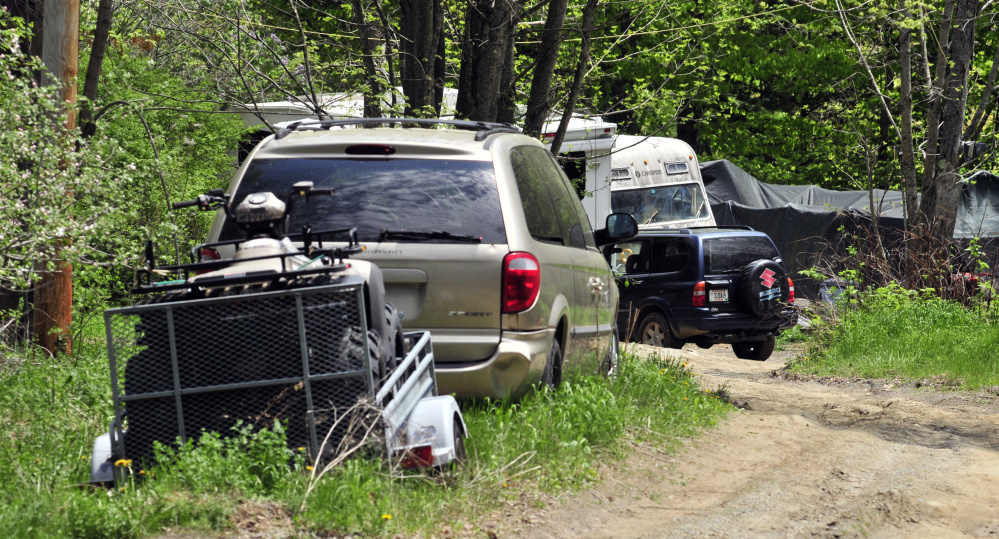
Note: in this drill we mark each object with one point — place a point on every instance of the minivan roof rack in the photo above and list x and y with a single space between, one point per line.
482 129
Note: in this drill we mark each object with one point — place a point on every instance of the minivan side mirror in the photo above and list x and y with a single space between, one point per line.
620 227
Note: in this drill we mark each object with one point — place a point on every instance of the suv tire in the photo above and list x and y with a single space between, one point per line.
754 285
755 350
552 375
654 331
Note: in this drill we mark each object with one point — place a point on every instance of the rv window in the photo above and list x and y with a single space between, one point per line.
620 174
676 168
661 204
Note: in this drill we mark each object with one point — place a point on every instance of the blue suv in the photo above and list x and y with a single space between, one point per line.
703 285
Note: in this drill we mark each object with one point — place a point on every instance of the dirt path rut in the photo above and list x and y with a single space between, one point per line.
801 459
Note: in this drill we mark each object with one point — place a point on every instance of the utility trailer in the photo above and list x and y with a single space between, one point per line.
266 337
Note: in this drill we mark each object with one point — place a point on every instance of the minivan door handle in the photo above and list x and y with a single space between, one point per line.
596 285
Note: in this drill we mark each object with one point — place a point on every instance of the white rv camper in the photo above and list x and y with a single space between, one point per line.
656 179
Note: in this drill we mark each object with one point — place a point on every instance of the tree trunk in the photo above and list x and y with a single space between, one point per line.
546 56
921 219
53 308
93 76
488 37
421 26
374 91
941 198
908 157
589 12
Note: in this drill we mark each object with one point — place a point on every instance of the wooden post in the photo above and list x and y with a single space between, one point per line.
53 305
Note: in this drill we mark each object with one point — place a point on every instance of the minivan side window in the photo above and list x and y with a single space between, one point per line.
572 231
573 200
538 208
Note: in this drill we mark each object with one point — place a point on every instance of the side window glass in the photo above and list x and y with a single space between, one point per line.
628 258
538 208
572 230
584 220
669 255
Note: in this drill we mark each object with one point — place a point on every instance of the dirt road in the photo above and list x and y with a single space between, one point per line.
801 459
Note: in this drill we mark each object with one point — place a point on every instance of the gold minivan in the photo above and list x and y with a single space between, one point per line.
478 232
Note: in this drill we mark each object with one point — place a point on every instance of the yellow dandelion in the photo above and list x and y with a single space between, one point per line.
122 489
685 398
142 472
310 468
684 363
301 449
386 516
83 457
504 485
123 462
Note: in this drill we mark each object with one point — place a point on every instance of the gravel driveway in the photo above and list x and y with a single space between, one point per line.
803 458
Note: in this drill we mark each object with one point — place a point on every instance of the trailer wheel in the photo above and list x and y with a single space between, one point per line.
459 447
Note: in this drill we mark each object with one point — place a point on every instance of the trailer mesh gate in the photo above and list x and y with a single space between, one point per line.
179 368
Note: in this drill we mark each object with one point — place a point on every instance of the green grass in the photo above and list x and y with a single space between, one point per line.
895 333
549 442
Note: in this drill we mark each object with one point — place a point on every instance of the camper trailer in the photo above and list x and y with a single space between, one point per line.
656 179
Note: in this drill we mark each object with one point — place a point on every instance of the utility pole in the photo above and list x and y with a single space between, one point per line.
53 298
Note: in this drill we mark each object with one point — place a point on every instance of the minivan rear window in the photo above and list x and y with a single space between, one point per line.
455 196
729 255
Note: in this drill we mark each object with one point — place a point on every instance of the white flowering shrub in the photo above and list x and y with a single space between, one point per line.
55 193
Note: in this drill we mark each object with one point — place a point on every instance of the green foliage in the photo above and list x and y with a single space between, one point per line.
549 441
59 192
912 335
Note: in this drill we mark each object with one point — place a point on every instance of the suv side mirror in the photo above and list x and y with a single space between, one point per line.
620 226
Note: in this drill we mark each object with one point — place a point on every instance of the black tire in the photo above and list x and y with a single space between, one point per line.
397 345
654 331
763 288
755 350
610 366
552 375
459 446
703 345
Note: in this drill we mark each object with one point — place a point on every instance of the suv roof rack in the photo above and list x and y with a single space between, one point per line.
482 129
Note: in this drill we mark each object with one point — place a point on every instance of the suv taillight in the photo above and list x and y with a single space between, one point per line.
790 287
521 282
700 298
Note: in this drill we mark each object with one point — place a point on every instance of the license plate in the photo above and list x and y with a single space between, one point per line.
718 296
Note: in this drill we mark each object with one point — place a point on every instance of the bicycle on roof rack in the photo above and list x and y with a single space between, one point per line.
276 333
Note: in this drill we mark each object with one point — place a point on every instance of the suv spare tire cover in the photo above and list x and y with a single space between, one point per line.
763 289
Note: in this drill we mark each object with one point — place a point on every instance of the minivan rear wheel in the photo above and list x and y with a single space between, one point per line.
755 350
654 331
552 375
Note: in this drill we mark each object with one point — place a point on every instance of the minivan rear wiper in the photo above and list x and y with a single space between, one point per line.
422 235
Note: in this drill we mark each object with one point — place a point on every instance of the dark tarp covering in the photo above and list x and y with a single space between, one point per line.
806 220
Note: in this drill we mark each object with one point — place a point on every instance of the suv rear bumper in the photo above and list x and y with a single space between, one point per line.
717 328
517 363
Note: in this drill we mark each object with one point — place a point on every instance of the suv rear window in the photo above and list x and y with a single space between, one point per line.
729 255
453 196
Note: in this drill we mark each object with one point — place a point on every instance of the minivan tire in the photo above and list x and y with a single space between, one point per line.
552 375
654 331
755 350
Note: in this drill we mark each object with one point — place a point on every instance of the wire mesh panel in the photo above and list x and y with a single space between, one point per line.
183 366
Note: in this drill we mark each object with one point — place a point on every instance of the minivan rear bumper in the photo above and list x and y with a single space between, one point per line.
732 327
517 365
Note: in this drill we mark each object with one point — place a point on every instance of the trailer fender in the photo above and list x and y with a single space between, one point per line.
438 415
101 463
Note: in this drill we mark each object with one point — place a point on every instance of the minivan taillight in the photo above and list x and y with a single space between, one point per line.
521 282
790 287
700 298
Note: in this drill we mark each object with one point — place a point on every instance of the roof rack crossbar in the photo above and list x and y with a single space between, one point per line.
483 129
